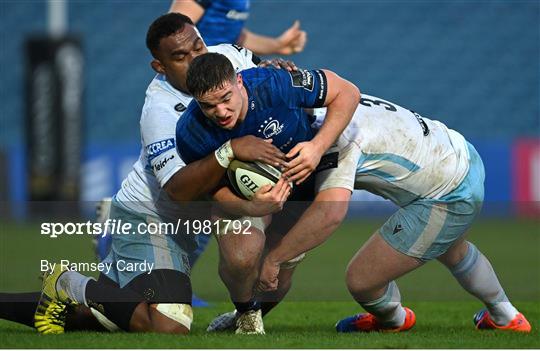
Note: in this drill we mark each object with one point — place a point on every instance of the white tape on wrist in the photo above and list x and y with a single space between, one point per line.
224 154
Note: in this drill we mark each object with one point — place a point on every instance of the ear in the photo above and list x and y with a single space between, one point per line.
239 80
157 66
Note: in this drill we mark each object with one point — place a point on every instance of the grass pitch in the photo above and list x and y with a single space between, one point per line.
317 299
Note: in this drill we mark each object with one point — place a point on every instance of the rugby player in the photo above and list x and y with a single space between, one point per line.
436 178
267 103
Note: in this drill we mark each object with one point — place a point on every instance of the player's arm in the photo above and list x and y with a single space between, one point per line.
189 8
341 101
291 41
317 223
195 179
203 176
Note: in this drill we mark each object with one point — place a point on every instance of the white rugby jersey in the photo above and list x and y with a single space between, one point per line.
142 190
401 155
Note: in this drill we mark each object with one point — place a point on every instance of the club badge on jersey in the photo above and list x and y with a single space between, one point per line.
277 99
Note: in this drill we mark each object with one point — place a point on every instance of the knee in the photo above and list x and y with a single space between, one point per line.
148 320
356 283
242 263
453 256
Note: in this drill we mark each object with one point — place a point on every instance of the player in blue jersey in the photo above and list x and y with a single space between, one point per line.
267 103
222 21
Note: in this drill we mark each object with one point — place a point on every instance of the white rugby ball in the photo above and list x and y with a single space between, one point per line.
247 178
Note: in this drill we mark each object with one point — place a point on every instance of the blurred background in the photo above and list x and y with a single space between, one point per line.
473 65
70 131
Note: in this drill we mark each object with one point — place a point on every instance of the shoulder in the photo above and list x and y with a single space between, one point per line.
281 77
193 127
160 94
259 76
194 138
162 104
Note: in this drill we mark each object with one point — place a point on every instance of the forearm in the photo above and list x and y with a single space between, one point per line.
317 223
259 44
195 180
232 204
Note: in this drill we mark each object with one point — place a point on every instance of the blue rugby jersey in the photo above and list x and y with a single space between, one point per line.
276 99
223 20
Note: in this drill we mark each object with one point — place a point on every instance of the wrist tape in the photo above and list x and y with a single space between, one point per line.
224 154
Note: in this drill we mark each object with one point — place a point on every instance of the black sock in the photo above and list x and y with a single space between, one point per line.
242 307
19 307
114 303
267 307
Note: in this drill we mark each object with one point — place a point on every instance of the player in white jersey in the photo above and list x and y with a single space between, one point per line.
436 178
155 295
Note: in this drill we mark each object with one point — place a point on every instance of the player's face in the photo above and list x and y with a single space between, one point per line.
176 53
225 106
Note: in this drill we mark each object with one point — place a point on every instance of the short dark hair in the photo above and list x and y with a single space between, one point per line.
208 72
164 26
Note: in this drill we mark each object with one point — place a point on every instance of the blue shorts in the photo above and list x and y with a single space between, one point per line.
426 228
132 254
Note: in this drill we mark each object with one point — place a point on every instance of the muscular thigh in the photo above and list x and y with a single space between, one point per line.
244 244
377 263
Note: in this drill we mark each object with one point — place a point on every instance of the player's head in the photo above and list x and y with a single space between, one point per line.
174 43
218 89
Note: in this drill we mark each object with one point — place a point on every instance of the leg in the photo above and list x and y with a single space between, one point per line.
126 308
282 222
168 296
374 266
475 274
402 244
370 280
21 308
240 256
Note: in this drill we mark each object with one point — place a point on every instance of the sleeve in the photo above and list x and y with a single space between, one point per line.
302 88
158 137
240 57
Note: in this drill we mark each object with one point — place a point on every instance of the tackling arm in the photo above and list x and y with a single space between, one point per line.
342 99
194 180
203 176
319 221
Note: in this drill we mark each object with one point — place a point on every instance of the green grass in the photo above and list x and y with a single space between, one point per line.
303 325
317 300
